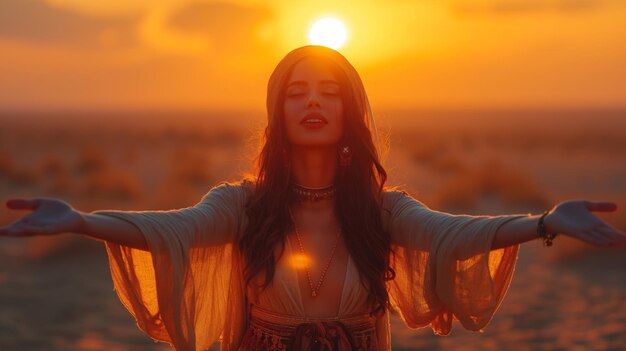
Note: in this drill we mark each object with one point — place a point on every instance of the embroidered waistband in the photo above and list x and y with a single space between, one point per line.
351 321
271 331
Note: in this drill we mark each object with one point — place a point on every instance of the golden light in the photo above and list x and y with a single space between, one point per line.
328 31
299 261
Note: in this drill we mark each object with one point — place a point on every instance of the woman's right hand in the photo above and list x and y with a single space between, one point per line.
49 216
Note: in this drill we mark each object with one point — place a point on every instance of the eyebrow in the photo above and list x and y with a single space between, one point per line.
325 81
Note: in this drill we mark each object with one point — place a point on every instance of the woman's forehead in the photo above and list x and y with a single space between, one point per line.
311 69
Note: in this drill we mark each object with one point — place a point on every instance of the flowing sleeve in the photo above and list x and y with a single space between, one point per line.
178 289
445 268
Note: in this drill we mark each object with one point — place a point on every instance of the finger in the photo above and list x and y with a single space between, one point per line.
608 231
601 206
610 228
613 234
594 238
23 204
10 229
601 238
585 236
19 229
30 230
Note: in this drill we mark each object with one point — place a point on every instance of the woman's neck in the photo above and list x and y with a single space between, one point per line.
314 167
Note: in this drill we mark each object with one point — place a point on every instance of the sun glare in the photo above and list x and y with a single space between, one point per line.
300 261
329 32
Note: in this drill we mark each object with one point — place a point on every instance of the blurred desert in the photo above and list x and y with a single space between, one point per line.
56 292
488 107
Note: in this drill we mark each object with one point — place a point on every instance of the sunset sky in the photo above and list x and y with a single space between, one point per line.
216 55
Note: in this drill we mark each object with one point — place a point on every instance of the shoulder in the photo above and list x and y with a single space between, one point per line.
396 200
230 191
394 191
391 195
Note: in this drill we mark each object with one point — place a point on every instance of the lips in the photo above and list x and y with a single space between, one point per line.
313 115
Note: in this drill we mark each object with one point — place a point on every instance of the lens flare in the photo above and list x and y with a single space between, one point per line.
299 261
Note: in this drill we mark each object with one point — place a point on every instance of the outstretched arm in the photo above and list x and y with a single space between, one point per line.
212 221
53 216
111 229
460 266
572 218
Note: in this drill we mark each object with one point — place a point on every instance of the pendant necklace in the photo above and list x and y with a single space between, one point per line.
315 290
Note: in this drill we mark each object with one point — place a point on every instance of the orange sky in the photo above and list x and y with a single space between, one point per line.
214 55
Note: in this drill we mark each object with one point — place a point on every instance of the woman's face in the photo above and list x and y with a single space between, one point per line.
313 108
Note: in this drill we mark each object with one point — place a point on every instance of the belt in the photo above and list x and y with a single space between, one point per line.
271 331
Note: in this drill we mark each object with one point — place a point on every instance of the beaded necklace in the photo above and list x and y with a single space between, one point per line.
309 194
315 289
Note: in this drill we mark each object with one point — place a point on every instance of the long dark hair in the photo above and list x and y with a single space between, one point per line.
359 186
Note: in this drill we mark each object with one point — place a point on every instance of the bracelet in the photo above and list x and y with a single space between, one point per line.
541 231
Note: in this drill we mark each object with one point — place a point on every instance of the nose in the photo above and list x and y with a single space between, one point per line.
313 100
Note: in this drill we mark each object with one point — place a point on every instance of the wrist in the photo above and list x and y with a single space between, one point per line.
82 223
545 228
549 223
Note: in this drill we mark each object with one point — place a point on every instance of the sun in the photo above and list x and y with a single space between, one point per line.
328 31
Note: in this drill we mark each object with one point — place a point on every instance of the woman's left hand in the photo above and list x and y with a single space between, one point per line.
574 218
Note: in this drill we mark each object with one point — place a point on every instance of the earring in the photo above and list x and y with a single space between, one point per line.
345 156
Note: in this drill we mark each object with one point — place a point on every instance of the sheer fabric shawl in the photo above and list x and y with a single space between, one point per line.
188 289
445 268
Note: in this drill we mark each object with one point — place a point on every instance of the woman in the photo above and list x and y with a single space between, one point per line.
313 252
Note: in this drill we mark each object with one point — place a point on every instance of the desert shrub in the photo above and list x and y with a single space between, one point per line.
14 174
60 183
437 153
91 160
447 164
111 184
427 151
51 165
190 166
58 179
492 180
227 136
23 177
6 163
129 153
171 195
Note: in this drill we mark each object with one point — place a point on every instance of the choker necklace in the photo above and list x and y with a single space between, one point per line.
313 194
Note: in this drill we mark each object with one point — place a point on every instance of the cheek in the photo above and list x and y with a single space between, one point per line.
290 110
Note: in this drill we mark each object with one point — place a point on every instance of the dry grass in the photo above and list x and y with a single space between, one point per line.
492 180
6 163
111 183
91 160
190 166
